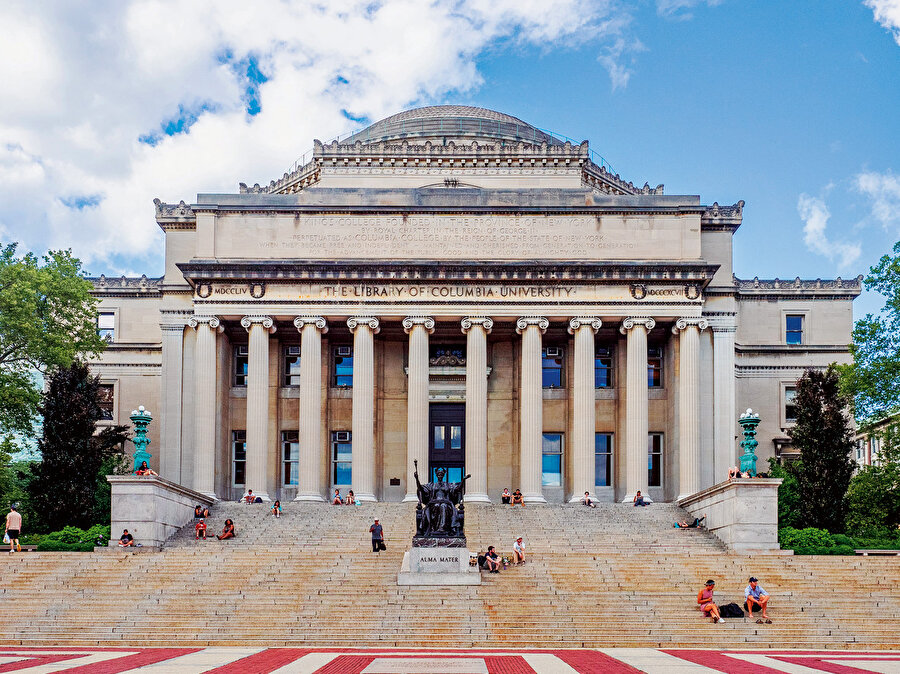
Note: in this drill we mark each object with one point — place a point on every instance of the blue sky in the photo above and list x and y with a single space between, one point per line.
790 106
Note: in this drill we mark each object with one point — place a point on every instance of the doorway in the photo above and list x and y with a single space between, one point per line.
447 440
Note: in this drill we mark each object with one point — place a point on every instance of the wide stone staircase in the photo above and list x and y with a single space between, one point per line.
611 576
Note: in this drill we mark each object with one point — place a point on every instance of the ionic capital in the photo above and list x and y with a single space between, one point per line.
320 323
631 321
486 323
370 321
592 322
700 323
412 321
267 322
213 322
523 323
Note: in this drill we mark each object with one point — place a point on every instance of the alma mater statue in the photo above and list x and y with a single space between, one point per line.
440 512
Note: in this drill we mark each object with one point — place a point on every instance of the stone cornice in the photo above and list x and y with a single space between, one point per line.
174 216
838 288
722 218
125 286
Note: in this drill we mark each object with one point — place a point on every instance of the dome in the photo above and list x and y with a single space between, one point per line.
452 122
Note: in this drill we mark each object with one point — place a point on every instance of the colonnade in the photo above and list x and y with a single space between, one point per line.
476 329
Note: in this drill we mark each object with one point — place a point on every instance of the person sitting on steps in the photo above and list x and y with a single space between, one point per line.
505 497
200 530
198 512
733 472
351 499
337 500
588 501
492 560
518 552
707 605
517 498
145 470
248 497
276 509
227 531
757 598
126 540
639 499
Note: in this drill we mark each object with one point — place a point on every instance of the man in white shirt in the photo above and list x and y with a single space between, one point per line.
757 598
13 528
518 551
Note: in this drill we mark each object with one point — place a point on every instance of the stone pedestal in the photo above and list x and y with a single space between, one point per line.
438 566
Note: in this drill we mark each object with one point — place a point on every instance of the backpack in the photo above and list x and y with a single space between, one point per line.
731 611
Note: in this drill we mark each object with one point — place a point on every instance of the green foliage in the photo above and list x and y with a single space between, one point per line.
873 498
47 319
788 494
63 488
824 436
115 464
792 539
71 539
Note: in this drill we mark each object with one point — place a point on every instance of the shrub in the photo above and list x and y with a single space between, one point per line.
841 539
59 546
72 539
809 538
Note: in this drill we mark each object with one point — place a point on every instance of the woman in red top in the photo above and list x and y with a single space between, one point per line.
707 605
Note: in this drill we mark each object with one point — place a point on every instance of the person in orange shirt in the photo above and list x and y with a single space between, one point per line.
200 530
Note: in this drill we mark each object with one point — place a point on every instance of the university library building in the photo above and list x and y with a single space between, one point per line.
454 286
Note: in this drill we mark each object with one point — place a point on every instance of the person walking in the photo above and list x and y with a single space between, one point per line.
377 537
13 529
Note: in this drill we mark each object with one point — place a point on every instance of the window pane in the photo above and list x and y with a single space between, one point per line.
343 473
552 443
602 470
291 370
456 437
239 470
343 451
438 437
240 365
238 457
794 329
343 366
603 368
551 367
790 407
106 324
654 367
106 396
654 459
551 473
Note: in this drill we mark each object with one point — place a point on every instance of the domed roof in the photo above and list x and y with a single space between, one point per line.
457 122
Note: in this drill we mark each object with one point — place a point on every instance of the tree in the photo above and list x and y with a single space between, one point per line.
47 319
873 379
63 488
788 494
873 499
824 436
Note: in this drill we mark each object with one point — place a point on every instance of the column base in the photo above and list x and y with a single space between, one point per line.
476 498
577 499
534 498
366 498
410 498
311 498
265 497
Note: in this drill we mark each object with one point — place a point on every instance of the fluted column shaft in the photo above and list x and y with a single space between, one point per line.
204 464
688 404
171 375
418 328
476 329
531 408
582 445
724 408
364 329
311 329
636 422
259 328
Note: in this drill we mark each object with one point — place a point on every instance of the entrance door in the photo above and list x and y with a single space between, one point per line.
447 440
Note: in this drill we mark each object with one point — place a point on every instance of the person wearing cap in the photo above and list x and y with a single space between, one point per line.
707 605
756 599
518 552
377 537
200 530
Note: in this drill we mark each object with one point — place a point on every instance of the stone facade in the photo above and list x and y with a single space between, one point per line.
455 286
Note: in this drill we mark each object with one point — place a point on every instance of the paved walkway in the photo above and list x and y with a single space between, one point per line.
382 661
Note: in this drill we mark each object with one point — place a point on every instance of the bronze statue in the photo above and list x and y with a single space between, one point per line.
440 512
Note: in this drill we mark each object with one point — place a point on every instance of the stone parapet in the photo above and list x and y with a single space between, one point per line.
151 508
742 513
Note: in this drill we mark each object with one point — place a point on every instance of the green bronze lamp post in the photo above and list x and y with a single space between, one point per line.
141 419
749 420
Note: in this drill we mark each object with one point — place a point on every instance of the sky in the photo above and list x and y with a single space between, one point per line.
793 107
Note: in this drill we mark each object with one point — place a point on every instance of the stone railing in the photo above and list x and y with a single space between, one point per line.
151 508
742 513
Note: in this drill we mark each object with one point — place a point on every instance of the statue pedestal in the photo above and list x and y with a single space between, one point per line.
438 566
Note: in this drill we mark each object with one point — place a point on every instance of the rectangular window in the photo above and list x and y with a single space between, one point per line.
654 367
603 453
793 329
343 366
552 366
654 459
291 367
290 456
341 458
790 404
551 460
106 396
603 367
239 458
241 360
106 325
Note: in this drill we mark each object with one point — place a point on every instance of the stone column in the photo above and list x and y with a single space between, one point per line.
724 413
418 328
531 403
259 328
204 463
311 329
172 373
584 406
476 329
364 329
636 422
689 404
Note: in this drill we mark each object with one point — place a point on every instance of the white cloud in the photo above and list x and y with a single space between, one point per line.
85 81
887 13
677 8
884 191
815 215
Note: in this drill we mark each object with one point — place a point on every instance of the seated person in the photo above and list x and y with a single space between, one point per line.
276 509
126 540
145 470
746 475
517 498
227 531
351 499
518 552
588 501
206 512
733 472
707 605
756 599
248 497
505 497
492 560
198 512
337 500
639 499
696 524
200 530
